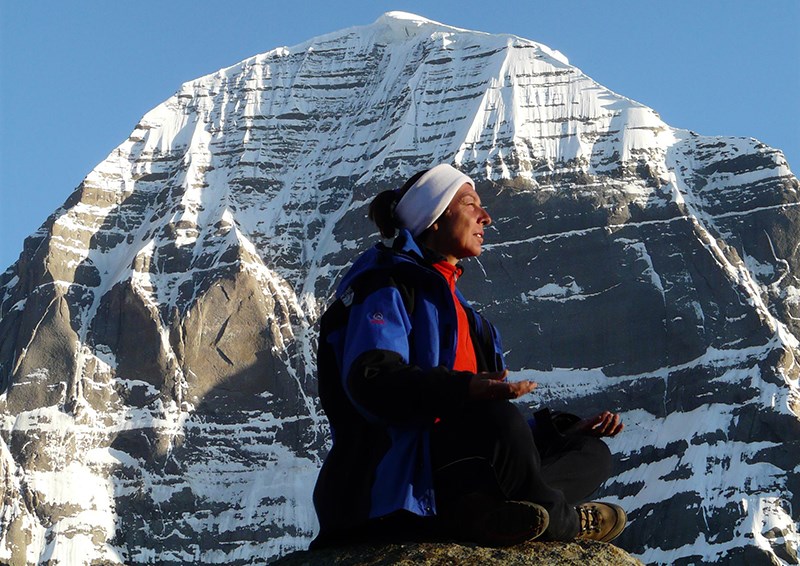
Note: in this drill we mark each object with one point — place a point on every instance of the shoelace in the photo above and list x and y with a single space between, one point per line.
590 519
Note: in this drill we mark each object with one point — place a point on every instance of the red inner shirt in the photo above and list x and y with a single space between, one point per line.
465 351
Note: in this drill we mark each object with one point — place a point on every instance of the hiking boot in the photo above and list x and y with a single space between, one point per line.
511 522
492 522
600 521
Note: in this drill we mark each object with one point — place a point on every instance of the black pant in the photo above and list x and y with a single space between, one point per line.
488 447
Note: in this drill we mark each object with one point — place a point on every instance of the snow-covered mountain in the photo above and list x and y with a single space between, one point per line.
158 331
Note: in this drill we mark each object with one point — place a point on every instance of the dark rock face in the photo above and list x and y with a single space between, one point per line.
157 339
445 554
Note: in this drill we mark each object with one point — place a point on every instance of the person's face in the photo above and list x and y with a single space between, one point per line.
458 232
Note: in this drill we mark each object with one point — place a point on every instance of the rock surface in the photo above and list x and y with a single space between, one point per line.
157 334
439 554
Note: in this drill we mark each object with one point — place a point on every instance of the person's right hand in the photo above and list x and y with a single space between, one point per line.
604 424
493 385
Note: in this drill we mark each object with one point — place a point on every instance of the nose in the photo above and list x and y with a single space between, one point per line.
484 217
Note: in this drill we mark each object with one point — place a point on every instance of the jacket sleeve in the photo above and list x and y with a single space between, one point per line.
377 375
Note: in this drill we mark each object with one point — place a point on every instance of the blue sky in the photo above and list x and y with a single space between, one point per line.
75 77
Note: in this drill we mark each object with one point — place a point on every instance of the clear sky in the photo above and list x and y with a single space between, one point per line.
76 76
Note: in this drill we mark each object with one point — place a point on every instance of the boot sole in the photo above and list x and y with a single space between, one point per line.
619 526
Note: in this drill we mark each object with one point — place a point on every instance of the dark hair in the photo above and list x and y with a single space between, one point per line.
381 209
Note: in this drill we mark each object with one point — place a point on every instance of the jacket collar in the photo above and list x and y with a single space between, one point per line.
405 248
406 243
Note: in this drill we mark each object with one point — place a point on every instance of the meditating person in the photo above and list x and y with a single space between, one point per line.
426 443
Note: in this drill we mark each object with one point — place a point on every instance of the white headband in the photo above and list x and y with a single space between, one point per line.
428 198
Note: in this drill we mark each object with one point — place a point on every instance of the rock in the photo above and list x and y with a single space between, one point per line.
446 554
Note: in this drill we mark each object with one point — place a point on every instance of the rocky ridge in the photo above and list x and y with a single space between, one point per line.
446 554
157 332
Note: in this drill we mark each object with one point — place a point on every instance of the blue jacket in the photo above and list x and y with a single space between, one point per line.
386 351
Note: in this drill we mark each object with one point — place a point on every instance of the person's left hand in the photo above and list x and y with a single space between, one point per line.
495 385
604 424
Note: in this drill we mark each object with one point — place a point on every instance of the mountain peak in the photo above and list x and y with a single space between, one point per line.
400 16
407 24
